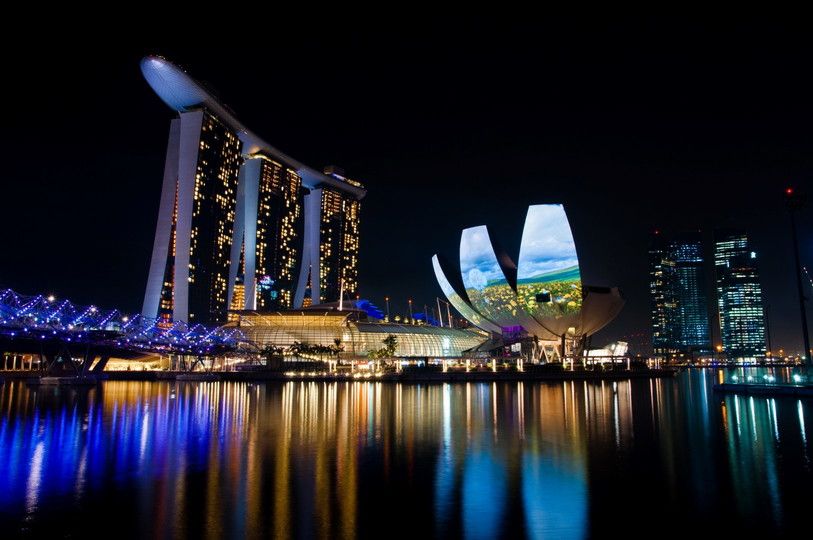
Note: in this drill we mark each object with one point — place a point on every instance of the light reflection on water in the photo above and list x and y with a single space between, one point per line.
481 460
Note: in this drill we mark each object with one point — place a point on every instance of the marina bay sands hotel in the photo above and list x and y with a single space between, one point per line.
242 225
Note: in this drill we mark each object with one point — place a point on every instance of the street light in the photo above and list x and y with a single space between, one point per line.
387 300
795 203
410 311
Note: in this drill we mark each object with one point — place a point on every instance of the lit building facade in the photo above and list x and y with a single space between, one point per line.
739 297
659 295
269 245
240 222
678 300
193 238
330 260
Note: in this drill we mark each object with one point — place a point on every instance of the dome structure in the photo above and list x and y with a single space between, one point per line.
541 296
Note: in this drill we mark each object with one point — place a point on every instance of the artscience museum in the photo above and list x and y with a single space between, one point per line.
540 300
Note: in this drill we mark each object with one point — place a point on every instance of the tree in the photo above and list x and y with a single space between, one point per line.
295 348
390 345
387 351
272 356
337 347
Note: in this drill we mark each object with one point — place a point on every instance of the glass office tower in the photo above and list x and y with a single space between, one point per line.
659 295
679 304
739 296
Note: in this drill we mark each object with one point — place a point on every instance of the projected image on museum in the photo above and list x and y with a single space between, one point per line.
548 278
542 298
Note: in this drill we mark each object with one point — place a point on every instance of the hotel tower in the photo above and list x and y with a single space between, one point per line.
241 225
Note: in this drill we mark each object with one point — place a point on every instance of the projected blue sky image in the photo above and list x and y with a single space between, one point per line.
547 242
478 263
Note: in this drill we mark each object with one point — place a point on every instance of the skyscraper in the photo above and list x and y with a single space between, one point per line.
679 307
271 194
659 295
338 242
739 296
239 220
193 236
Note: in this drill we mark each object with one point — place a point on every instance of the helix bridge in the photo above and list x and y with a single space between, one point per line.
43 324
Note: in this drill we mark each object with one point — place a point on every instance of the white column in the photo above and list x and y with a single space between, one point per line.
310 248
161 247
189 145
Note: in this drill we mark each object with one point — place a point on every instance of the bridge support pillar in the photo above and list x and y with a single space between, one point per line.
101 364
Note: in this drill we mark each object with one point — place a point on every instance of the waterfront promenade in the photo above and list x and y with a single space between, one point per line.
419 375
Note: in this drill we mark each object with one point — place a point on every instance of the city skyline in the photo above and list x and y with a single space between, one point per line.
606 173
503 277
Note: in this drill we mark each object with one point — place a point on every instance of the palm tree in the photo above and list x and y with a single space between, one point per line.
337 347
272 355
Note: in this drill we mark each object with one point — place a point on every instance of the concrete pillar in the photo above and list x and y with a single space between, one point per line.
520 366
494 365
468 365
445 366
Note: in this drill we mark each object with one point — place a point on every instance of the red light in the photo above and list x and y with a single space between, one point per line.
789 191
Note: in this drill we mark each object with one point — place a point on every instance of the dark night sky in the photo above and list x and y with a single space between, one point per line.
632 125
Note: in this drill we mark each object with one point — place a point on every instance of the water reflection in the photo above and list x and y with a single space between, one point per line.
339 460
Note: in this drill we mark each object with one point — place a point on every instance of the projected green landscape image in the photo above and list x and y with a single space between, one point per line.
548 277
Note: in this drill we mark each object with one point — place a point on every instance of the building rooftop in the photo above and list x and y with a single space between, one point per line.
182 93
